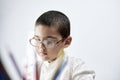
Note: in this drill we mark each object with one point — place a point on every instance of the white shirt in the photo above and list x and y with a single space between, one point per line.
74 69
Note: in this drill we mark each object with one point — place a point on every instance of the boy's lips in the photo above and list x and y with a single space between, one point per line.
43 53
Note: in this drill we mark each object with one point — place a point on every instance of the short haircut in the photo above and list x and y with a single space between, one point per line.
55 19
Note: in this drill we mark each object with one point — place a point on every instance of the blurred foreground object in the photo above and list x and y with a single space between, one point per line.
3 74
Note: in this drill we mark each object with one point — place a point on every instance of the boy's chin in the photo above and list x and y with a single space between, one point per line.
44 58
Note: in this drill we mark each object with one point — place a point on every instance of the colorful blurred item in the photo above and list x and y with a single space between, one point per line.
3 74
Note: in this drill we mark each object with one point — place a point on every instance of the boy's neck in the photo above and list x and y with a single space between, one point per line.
59 54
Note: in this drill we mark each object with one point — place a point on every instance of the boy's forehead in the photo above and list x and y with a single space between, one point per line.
47 32
46 28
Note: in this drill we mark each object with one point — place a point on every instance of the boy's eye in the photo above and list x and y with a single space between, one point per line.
49 42
38 39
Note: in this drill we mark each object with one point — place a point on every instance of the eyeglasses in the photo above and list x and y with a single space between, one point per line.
47 42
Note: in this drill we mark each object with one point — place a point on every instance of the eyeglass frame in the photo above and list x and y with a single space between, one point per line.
41 42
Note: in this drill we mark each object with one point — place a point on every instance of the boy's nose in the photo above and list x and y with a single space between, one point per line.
41 46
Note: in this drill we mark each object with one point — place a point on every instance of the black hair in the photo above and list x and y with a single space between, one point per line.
55 19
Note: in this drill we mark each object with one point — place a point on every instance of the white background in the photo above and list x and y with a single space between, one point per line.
95 28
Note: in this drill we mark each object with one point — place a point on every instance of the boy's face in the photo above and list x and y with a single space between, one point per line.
44 34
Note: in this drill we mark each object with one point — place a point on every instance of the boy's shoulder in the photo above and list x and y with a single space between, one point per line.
77 64
78 67
74 59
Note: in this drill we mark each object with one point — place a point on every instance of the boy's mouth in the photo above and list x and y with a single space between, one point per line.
43 53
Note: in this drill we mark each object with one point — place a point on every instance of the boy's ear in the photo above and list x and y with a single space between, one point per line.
67 41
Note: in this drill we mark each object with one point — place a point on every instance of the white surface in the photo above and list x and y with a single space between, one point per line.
95 30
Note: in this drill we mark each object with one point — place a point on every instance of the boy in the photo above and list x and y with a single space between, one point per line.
51 36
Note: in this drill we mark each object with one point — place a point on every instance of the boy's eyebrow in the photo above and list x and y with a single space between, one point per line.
36 36
51 37
46 37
